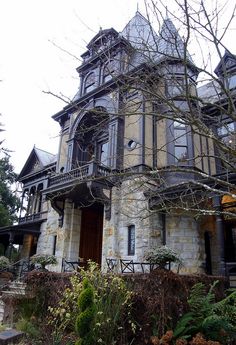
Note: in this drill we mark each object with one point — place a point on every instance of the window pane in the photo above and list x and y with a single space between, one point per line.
104 153
175 87
178 124
180 137
226 129
131 240
180 153
89 83
232 82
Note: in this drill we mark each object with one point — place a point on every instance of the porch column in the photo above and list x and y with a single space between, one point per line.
220 235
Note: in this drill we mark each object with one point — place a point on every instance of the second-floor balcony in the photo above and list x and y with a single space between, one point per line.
34 217
85 173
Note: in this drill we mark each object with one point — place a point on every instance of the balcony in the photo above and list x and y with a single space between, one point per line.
40 216
85 173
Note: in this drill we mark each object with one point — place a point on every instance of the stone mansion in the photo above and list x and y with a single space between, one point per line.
134 168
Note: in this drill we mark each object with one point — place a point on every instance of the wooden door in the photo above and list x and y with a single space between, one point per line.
91 234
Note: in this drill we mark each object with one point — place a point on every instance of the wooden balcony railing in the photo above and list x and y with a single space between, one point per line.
33 217
79 174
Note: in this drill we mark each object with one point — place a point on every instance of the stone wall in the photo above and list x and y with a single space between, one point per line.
182 234
130 207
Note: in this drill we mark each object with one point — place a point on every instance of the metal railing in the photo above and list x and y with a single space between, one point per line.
19 268
33 217
81 173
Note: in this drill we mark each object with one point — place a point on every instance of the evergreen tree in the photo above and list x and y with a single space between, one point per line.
9 201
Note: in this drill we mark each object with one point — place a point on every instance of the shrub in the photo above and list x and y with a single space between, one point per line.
4 262
112 303
85 319
162 255
43 260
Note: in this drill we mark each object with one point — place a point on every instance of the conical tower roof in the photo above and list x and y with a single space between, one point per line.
150 47
170 44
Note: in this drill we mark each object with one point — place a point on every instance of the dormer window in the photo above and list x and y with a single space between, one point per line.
89 83
231 82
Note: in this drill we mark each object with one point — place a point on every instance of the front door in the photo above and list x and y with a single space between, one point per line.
91 233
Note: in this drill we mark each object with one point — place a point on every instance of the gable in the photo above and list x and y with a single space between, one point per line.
31 166
227 65
37 160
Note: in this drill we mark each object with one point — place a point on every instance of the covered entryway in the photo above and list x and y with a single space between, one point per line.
91 233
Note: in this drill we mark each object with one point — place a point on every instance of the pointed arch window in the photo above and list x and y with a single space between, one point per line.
91 142
108 71
89 83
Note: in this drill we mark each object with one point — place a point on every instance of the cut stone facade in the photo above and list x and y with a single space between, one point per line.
128 165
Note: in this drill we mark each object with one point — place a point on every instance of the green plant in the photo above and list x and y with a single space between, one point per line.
162 255
112 299
28 327
43 260
85 319
4 262
215 320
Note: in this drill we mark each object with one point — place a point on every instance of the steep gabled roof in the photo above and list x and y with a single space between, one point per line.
227 64
170 44
151 47
37 161
140 33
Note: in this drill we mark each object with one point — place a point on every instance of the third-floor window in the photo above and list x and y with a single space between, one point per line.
180 141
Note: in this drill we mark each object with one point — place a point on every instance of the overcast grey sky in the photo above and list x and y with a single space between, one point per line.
29 63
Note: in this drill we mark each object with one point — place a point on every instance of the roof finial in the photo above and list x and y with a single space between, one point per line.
137 8
167 16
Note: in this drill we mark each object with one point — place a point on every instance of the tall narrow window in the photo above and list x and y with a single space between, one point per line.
104 153
131 239
54 244
89 83
108 71
180 136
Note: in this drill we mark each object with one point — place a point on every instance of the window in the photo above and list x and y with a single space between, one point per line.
54 245
226 132
89 83
231 82
108 71
104 153
131 240
180 136
175 87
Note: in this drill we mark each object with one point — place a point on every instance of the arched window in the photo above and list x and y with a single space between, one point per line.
89 83
91 142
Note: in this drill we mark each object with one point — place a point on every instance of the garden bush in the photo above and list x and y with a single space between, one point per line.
129 309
